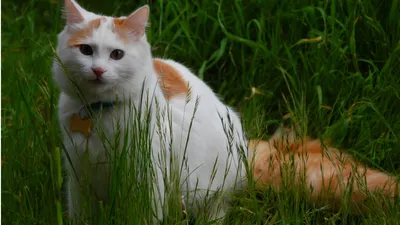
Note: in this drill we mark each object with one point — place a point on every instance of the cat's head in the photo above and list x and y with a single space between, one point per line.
102 54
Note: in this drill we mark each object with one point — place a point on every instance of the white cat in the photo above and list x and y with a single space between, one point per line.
110 61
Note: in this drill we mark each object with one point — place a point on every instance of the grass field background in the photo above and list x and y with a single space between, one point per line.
334 64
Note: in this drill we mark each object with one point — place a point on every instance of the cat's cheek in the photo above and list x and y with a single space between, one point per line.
123 76
80 68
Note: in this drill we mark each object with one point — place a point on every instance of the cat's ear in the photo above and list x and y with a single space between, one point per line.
137 21
73 12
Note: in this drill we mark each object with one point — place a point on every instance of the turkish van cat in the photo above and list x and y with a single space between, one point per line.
109 60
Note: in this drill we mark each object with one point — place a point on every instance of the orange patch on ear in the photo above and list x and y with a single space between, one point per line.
85 32
171 81
120 28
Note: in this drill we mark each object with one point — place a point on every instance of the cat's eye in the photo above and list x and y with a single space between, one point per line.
86 49
117 54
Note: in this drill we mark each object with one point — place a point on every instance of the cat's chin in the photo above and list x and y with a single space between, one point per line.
97 87
93 89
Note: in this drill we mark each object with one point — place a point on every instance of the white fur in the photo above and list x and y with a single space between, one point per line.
124 77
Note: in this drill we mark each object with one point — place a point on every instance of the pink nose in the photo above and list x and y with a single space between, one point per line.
98 71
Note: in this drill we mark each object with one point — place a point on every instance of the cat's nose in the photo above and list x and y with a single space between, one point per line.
98 71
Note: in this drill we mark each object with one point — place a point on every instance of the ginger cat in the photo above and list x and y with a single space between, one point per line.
327 172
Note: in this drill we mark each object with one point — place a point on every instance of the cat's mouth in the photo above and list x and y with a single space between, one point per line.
96 81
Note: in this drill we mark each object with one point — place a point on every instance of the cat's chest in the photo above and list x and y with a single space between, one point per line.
93 131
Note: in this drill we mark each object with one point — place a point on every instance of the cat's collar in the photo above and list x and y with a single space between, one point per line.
93 107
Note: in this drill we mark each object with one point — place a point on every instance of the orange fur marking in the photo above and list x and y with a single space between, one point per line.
171 81
85 32
120 28
80 125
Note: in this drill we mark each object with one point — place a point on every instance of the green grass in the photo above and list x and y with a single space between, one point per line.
344 86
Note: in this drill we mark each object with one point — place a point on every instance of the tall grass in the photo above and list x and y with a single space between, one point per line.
333 64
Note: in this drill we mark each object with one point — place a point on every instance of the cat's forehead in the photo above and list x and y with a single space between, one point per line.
100 28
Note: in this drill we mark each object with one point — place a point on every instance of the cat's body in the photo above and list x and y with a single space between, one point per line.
90 43
327 173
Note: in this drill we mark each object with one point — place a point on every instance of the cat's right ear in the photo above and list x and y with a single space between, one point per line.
73 12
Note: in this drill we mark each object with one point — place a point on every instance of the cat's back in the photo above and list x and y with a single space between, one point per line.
207 121
182 88
210 110
180 77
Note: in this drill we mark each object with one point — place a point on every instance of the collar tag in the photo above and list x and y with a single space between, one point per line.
83 126
81 121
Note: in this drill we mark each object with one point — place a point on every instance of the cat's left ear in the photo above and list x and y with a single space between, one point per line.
137 21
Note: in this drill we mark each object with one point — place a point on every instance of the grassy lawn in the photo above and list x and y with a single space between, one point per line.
334 64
